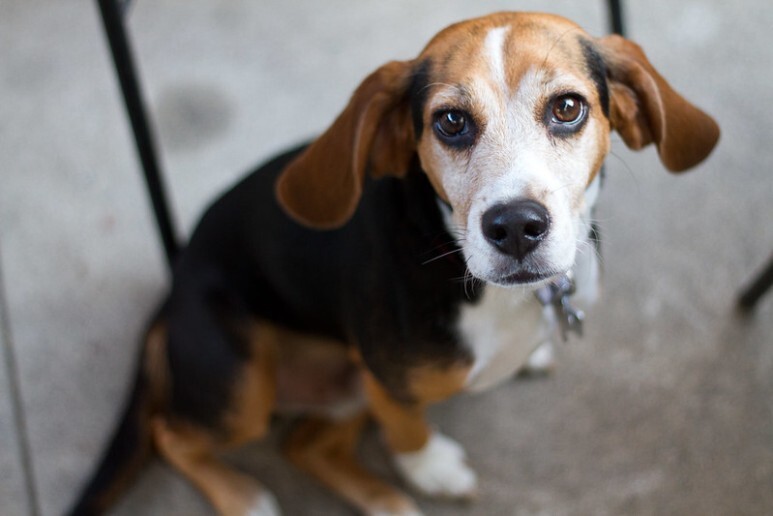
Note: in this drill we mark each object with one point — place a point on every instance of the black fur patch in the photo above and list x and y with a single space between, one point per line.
391 281
598 72
418 92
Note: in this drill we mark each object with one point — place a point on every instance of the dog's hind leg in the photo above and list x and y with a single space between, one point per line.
193 453
326 449
192 448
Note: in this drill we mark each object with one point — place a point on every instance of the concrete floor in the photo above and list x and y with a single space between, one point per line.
666 407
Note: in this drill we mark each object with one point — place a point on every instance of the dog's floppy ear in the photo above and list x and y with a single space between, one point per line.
645 109
322 187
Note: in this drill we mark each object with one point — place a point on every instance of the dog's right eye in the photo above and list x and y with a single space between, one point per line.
454 127
451 123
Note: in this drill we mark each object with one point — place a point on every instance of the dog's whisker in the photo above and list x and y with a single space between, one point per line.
589 246
436 258
468 280
457 233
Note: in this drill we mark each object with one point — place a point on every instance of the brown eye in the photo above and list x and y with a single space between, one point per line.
455 128
451 123
568 109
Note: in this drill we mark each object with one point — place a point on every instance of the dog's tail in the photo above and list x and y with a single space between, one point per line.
131 446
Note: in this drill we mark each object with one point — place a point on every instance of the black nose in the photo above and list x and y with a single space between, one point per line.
516 228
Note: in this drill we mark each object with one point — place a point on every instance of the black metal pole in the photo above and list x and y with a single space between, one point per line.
761 284
113 19
616 24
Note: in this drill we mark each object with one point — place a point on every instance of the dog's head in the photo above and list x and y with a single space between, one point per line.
510 117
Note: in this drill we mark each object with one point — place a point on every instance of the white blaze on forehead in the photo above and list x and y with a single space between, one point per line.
494 50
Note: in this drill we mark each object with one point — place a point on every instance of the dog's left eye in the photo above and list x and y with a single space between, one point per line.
568 109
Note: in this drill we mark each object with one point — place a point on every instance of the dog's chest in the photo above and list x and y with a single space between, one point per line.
500 331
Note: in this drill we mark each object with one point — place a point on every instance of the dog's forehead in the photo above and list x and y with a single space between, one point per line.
504 46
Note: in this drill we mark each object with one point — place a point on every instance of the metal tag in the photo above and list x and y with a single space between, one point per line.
557 294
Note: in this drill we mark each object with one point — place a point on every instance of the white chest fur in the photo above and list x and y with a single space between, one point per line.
508 324
501 331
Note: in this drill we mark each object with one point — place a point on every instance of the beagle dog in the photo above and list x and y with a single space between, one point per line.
391 263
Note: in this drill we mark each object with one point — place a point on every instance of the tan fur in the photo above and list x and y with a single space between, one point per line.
257 388
314 375
405 427
193 453
327 450
432 384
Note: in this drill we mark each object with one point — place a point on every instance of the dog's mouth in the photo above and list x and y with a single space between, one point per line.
520 278
532 272
524 278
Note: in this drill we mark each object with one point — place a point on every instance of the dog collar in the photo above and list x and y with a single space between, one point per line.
556 295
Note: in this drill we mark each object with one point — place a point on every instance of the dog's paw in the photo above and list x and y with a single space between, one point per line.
541 362
264 505
439 469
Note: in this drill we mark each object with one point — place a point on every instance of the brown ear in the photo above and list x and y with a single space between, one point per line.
645 109
322 187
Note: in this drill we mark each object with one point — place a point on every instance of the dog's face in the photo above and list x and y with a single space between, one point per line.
513 127
510 117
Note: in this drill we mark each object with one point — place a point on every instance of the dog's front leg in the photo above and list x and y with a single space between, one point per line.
326 449
431 462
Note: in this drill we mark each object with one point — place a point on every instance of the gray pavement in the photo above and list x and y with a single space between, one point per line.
666 407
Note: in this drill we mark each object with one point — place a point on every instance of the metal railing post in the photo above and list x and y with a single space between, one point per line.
112 12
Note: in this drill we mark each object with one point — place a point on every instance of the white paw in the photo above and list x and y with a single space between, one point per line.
439 469
264 505
542 360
